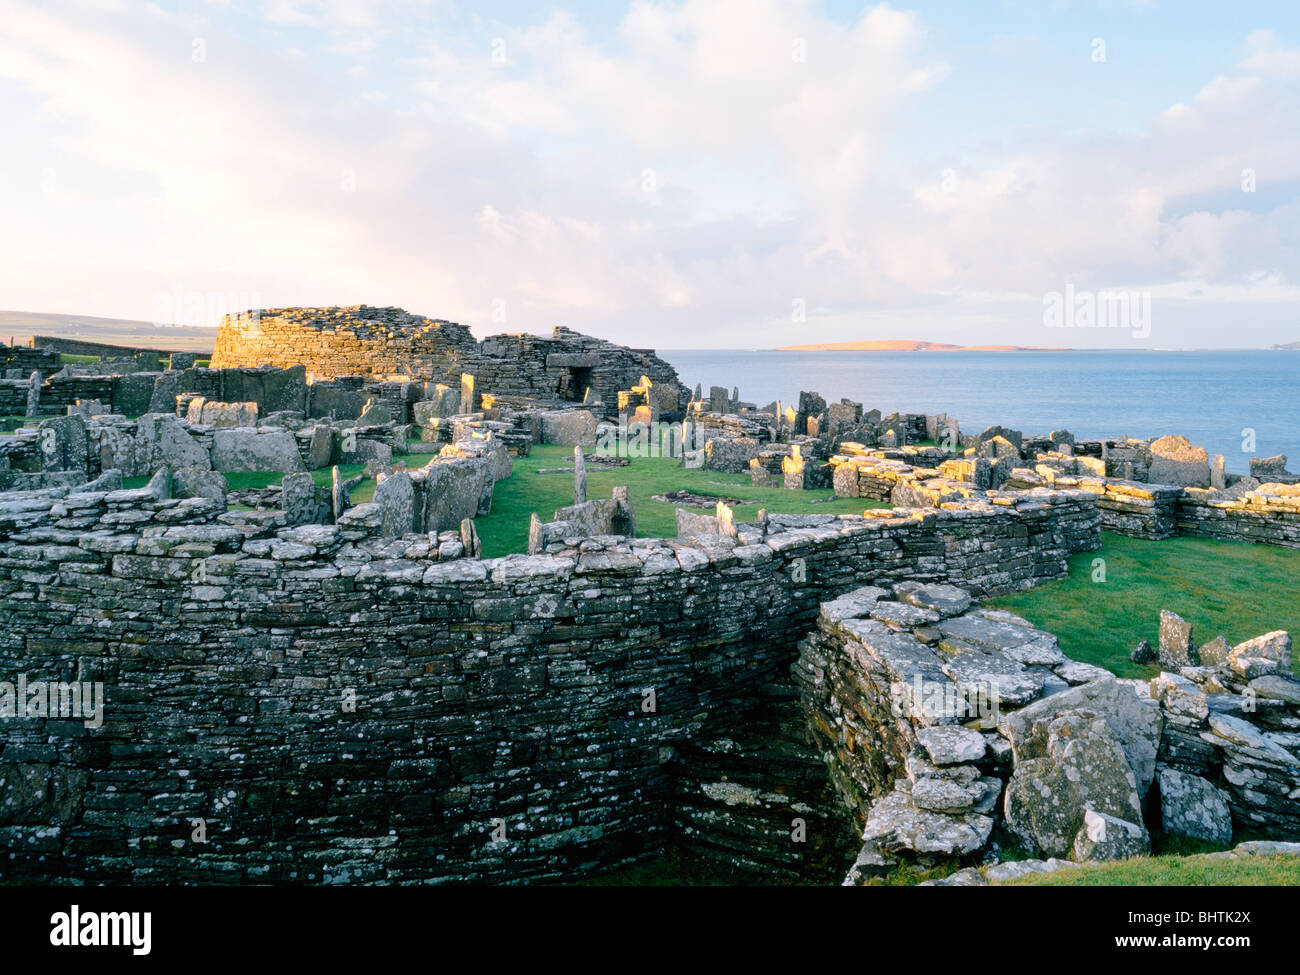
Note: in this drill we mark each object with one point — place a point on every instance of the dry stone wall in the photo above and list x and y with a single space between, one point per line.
328 706
352 341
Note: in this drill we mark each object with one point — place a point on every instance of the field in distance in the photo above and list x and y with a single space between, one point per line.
19 326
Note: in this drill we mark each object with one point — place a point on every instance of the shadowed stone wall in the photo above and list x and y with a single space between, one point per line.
333 708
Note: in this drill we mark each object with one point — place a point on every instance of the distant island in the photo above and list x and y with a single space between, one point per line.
1288 345
912 345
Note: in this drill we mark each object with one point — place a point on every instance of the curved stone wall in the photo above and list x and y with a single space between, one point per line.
307 706
350 341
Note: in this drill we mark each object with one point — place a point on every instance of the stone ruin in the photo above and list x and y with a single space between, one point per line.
946 726
601 694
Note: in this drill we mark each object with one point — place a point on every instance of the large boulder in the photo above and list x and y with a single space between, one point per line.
199 482
395 496
569 428
1070 764
248 449
64 444
1175 460
1262 655
451 491
162 440
1192 806
1135 722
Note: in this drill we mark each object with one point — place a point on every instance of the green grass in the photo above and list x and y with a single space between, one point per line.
67 358
505 530
1237 589
1175 871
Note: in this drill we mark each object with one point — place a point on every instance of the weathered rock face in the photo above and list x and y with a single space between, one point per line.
451 491
1192 806
161 440
395 496
63 444
1262 655
1134 721
212 413
569 428
1268 468
249 449
303 502
730 454
1174 460
1176 648
1069 764
196 482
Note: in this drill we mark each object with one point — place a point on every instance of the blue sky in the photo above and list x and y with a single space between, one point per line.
694 174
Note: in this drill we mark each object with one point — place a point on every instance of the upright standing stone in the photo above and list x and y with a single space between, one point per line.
64 444
534 534
625 519
34 394
1174 460
718 399
298 493
1218 479
395 496
337 502
1176 648
726 519
466 392
579 476
469 538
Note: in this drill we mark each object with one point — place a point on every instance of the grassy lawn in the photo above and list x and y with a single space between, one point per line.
67 358
1239 590
1175 871
505 530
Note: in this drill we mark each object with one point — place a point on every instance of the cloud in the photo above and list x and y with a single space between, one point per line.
687 177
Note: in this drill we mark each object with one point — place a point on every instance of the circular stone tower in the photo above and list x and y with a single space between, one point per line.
357 340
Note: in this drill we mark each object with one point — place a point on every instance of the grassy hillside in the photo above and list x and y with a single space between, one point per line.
1235 589
115 331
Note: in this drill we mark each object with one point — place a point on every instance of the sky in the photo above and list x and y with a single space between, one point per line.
697 174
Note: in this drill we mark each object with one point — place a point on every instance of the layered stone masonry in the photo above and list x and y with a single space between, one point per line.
388 342
941 722
336 707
